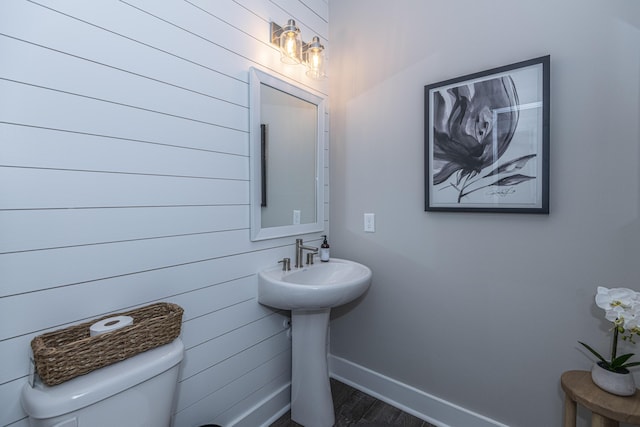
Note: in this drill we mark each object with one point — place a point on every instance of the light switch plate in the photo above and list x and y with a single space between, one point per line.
370 223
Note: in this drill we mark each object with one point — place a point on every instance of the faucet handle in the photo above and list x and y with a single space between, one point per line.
310 258
286 264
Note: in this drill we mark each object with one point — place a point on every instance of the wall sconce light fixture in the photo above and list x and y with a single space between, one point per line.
295 51
289 41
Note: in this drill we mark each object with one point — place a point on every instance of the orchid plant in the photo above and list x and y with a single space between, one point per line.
622 308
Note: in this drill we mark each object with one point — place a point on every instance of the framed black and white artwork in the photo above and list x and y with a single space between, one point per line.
487 140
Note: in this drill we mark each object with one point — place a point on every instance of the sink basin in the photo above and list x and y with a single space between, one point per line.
318 286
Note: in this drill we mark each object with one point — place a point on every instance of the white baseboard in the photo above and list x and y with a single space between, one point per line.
267 411
425 406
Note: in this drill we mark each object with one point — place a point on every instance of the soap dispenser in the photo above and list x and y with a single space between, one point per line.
324 250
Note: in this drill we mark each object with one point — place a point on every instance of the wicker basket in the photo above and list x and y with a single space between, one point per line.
67 353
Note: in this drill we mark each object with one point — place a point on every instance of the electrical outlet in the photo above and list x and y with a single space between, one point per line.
296 217
370 223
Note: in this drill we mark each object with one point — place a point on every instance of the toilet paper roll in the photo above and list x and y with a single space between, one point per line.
110 324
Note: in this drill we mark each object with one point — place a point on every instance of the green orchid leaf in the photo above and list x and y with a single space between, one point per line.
595 353
625 356
618 362
629 365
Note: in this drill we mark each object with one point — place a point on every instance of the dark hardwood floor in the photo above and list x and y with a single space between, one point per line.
355 408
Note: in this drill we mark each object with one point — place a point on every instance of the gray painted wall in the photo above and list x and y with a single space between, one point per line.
483 310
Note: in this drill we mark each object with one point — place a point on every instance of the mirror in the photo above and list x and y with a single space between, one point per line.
287 158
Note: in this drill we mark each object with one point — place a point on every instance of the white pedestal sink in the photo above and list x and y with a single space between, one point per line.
310 293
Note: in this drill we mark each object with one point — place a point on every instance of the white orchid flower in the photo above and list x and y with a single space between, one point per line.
616 301
632 319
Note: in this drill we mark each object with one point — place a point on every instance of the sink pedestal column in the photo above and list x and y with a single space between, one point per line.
311 402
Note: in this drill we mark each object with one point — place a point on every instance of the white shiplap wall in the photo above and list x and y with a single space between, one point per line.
124 181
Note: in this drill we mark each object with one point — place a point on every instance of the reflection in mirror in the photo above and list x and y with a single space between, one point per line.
289 150
287 161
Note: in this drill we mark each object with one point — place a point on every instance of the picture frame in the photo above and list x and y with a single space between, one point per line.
487 140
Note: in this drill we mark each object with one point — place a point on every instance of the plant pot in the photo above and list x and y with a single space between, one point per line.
621 384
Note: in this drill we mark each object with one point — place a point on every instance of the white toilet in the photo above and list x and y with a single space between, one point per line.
136 392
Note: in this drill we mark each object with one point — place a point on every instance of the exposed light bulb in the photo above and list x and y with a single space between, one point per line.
315 59
290 44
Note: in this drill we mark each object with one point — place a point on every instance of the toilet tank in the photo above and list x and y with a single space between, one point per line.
136 392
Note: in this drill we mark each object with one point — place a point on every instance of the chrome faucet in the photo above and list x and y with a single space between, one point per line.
299 250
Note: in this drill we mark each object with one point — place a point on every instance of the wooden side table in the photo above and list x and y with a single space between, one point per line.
607 410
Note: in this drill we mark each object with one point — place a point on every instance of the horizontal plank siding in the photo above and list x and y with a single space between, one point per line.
214 406
193 389
124 181
151 94
79 189
46 108
214 351
110 294
62 228
42 148
11 409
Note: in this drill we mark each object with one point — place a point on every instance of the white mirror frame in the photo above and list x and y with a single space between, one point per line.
256 79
